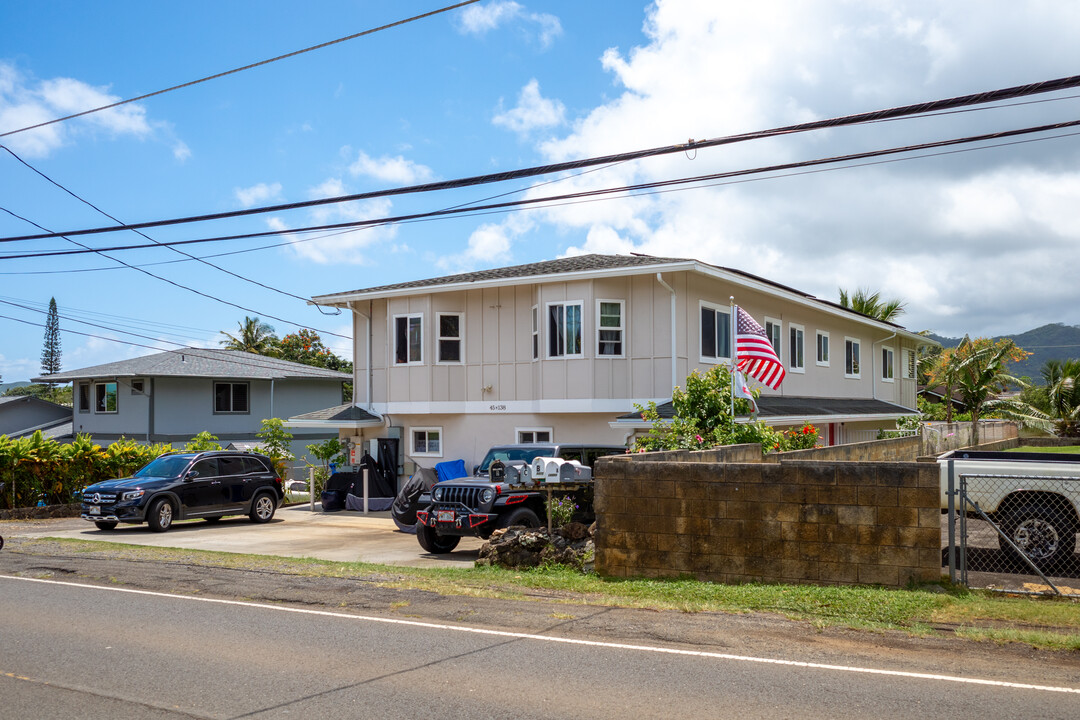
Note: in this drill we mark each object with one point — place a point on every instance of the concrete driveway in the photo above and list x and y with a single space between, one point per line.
295 531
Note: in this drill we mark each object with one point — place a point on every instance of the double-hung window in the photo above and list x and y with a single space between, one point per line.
715 333
823 348
231 397
408 339
535 332
564 330
796 361
851 358
105 397
450 334
609 328
887 358
772 331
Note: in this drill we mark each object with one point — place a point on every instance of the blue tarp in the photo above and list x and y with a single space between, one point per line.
451 470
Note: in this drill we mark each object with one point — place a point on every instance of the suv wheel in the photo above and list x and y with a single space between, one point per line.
160 517
435 543
262 508
523 517
105 524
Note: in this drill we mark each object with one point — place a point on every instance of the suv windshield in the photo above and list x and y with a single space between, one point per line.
168 466
507 455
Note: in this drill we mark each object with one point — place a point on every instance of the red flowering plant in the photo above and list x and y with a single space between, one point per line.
802 438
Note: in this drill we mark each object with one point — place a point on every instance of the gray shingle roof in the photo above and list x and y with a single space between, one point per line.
200 362
578 263
339 413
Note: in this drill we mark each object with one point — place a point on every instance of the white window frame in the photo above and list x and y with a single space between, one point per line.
621 328
800 345
394 337
718 310
581 315
856 343
519 431
821 334
535 332
141 390
910 371
88 405
888 364
116 396
427 441
772 324
440 339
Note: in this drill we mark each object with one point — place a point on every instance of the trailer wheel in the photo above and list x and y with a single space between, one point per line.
435 543
1046 537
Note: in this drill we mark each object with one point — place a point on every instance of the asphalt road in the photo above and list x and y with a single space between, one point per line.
85 648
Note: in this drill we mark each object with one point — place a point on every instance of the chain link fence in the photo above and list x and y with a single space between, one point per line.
1014 533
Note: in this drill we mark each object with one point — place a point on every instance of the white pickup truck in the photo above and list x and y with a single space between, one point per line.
1033 497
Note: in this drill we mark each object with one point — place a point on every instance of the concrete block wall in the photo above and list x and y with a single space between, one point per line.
900 449
792 522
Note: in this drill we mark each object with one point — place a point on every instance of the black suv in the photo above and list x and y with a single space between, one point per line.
182 486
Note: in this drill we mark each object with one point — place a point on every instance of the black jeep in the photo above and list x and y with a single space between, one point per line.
181 486
479 505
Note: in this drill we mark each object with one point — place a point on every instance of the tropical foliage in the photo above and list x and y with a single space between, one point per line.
1059 396
702 419
275 441
254 336
870 304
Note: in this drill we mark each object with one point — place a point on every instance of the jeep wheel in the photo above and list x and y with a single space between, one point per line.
262 508
105 524
523 517
435 543
160 516
1046 537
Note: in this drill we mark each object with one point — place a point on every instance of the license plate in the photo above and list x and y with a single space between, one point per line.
445 516
95 510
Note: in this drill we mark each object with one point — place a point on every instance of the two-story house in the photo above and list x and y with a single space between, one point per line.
171 396
561 350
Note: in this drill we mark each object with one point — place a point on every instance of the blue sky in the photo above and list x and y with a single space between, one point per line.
980 242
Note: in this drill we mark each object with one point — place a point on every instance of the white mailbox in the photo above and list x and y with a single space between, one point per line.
553 470
539 468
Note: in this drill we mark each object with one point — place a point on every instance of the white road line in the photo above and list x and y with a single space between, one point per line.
567 641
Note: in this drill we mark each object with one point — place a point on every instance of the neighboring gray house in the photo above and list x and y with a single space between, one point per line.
24 415
171 396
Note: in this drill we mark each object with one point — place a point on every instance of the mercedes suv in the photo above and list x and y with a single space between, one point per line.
182 486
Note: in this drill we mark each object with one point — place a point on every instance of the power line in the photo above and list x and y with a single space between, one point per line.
860 118
517 204
240 69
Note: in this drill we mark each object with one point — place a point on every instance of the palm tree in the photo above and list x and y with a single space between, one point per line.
255 336
980 369
871 304
1059 396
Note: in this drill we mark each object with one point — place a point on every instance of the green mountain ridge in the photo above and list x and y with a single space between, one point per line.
1054 341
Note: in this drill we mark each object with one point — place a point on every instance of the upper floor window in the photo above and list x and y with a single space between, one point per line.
796 336
231 397
909 364
822 348
715 333
564 329
138 387
772 331
609 328
887 358
105 397
536 332
408 339
449 337
851 358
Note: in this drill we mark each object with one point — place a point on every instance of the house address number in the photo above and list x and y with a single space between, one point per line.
497 408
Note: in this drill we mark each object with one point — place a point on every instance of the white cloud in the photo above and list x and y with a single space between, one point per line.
481 19
257 194
24 103
342 245
532 111
489 245
181 151
396 170
973 241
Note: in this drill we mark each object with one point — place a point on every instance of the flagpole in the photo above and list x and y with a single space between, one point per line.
731 350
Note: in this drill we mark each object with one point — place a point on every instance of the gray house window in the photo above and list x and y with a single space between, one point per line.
84 397
231 397
105 397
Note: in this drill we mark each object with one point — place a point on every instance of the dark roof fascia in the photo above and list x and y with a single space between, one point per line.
789 407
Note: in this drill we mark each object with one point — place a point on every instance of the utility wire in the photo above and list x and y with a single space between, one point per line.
503 206
860 118
141 233
144 271
240 69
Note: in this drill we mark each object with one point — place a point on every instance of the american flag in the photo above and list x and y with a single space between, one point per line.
754 353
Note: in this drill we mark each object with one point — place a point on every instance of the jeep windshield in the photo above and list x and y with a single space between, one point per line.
167 466
515 454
